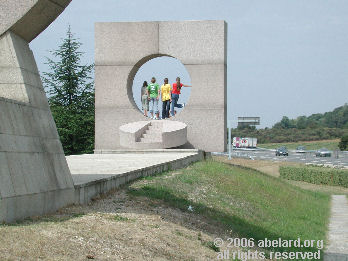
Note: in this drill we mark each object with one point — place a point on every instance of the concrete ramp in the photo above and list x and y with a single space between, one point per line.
156 134
97 174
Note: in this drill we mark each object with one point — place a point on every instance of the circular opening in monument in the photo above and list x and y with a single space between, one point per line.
161 68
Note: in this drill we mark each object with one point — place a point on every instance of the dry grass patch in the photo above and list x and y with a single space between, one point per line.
117 227
150 220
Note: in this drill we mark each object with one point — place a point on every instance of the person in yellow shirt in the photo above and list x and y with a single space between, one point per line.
166 91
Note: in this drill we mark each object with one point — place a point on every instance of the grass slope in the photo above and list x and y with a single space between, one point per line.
310 145
271 168
246 202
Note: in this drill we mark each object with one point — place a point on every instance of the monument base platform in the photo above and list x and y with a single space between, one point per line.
96 174
155 134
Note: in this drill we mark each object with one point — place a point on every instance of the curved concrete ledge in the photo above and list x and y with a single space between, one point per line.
153 134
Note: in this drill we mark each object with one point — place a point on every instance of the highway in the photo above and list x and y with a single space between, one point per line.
308 157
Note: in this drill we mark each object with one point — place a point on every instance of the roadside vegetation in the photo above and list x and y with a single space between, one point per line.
310 145
272 168
316 175
343 145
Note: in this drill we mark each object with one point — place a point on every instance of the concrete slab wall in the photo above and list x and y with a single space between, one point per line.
122 48
34 176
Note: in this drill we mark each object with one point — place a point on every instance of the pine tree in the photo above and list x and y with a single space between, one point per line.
70 89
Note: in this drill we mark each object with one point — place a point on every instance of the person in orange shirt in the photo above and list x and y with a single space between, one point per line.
166 91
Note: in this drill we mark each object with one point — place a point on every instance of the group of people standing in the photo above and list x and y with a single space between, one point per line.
150 94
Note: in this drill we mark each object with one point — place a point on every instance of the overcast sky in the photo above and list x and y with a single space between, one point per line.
285 57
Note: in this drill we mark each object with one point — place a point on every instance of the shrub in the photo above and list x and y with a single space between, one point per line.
343 145
315 175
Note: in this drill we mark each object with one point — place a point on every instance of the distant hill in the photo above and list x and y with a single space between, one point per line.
319 126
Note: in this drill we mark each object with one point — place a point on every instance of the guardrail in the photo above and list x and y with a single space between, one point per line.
235 154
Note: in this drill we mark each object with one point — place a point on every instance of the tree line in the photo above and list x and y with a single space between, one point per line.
338 118
319 126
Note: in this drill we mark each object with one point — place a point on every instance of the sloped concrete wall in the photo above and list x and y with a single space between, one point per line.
122 48
34 175
28 18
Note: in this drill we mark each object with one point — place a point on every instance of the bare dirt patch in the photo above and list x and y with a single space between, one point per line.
268 167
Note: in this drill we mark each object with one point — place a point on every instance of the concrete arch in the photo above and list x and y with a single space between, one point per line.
121 48
136 68
134 71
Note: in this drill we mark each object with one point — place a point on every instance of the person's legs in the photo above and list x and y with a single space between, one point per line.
155 105
142 104
178 105
151 105
145 104
164 108
167 108
172 107
174 102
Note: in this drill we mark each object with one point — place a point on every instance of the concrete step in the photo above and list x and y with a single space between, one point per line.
154 128
147 146
152 136
150 140
153 131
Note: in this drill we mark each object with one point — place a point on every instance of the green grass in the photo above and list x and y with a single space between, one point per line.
249 203
312 145
119 218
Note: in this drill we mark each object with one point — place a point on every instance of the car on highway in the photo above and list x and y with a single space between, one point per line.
301 149
282 151
323 152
